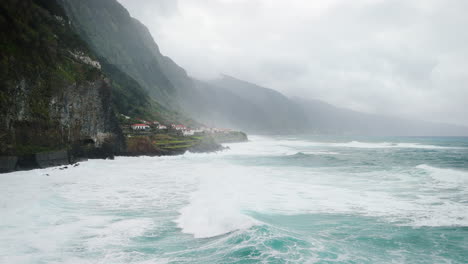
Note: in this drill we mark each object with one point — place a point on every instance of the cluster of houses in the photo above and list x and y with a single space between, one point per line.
147 125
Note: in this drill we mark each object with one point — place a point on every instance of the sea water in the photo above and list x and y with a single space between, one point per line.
302 199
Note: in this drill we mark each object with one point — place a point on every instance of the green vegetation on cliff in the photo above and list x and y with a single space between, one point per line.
230 137
129 98
141 84
170 144
114 35
50 81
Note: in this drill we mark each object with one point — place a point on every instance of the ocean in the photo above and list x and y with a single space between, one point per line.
278 199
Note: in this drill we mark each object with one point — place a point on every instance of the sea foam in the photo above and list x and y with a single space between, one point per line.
125 210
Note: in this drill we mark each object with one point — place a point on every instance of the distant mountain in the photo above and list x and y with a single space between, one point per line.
324 118
216 106
274 112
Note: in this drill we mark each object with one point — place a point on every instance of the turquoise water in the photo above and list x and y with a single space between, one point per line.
295 199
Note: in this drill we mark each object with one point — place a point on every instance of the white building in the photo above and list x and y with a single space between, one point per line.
178 127
188 132
140 127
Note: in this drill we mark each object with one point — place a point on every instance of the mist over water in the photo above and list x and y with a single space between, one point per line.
298 199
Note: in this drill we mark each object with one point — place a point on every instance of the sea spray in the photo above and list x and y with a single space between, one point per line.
271 200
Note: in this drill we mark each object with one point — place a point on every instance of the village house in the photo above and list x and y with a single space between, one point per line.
178 127
188 132
198 130
224 130
213 130
126 117
161 127
140 127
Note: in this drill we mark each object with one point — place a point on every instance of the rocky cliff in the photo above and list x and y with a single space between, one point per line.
53 93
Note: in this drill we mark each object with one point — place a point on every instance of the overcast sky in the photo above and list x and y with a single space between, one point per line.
406 58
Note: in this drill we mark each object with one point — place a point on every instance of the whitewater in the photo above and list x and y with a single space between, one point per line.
277 199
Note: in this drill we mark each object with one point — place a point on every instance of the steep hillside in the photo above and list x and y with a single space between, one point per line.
238 104
114 35
279 113
219 108
133 59
129 98
53 93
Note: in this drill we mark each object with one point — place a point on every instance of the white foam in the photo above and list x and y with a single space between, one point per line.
204 220
118 232
446 175
48 213
206 195
371 145
320 153
285 144
443 178
216 207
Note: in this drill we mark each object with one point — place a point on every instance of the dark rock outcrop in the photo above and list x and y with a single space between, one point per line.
53 158
8 163
206 144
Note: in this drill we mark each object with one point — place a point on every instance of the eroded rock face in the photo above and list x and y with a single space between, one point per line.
85 112
54 158
51 99
75 112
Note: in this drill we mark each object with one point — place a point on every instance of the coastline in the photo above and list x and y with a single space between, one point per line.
74 155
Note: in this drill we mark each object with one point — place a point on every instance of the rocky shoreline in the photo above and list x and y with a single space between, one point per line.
40 160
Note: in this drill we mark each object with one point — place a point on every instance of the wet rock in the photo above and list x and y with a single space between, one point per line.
8 163
53 158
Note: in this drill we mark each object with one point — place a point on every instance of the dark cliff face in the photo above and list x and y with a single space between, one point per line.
53 93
